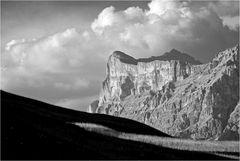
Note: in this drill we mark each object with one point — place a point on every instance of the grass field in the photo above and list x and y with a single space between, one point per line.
223 148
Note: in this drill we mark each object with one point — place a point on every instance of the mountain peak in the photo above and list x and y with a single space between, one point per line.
124 57
118 53
173 54
174 51
177 55
144 93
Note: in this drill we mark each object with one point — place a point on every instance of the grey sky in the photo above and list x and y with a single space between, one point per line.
31 19
57 51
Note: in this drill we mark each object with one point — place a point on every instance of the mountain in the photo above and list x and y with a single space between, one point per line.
172 55
34 130
175 93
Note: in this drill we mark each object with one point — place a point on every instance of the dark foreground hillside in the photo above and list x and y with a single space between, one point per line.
36 130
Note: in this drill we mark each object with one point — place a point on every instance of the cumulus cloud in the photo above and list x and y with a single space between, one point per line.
108 19
44 59
43 55
105 18
72 60
68 65
168 24
60 69
161 7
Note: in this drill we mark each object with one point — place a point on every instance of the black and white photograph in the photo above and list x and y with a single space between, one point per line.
120 80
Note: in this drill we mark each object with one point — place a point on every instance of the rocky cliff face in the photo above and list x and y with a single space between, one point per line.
128 76
175 93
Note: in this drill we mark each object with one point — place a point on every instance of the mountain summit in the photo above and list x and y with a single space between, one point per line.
168 56
124 57
175 93
172 55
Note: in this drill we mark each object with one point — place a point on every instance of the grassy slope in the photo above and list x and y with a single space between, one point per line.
36 130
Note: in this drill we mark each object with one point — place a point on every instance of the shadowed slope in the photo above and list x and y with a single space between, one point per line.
36 130
68 115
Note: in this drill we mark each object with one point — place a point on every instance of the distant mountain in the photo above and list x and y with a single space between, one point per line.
175 93
172 55
35 130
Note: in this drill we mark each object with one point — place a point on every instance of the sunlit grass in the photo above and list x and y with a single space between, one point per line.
174 143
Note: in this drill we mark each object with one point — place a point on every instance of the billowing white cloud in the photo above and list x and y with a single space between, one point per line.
161 7
105 19
166 25
65 60
70 61
43 55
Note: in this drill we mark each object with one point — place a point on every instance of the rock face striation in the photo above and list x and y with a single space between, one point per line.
175 93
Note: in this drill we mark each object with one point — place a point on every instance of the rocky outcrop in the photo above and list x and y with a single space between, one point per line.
128 76
232 130
174 93
93 107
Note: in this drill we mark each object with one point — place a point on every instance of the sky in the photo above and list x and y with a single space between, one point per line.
57 51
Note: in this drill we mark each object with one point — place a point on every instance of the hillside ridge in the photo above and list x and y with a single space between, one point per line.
36 130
